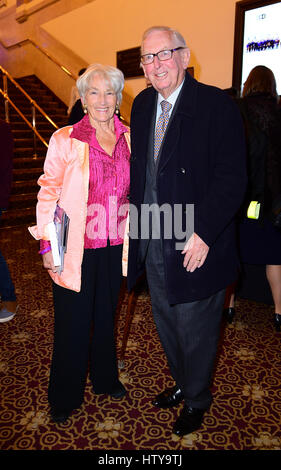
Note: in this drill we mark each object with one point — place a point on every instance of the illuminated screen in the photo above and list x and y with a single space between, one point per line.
261 41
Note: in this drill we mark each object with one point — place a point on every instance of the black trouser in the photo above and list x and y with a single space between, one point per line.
188 332
84 330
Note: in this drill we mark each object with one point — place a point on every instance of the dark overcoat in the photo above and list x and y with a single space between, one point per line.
202 163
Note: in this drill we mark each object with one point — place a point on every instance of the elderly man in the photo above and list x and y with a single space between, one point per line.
187 152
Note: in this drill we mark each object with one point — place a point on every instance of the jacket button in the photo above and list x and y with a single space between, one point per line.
182 171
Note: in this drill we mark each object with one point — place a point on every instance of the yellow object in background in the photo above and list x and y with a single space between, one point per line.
253 211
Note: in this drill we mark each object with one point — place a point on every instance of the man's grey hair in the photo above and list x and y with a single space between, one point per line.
112 75
180 41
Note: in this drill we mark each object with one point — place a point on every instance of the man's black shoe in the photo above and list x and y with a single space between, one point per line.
189 420
170 397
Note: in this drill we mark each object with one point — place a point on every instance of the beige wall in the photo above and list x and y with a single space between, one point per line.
80 32
23 58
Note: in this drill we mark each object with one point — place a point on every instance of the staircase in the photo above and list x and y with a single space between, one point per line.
27 168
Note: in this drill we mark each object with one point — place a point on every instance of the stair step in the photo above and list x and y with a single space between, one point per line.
24 143
56 116
27 110
47 105
26 174
25 187
29 162
29 153
32 80
39 145
15 217
22 201
23 100
41 95
21 125
28 89
28 134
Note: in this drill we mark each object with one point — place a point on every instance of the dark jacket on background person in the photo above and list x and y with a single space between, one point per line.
202 163
76 113
262 119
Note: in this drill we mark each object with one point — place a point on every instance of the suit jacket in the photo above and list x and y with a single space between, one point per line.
202 162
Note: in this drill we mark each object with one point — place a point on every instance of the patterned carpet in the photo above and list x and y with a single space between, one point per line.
245 414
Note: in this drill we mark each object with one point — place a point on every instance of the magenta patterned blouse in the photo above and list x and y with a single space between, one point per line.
108 187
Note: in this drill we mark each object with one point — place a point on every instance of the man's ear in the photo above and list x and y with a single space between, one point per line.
143 70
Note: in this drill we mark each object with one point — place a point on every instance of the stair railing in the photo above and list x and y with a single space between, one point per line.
34 106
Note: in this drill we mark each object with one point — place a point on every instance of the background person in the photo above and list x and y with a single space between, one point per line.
86 165
260 240
74 96
200 161
76 113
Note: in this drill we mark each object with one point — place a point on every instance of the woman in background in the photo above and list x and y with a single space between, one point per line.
260 240
74 96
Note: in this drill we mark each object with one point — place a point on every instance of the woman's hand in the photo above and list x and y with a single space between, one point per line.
195 252
48 261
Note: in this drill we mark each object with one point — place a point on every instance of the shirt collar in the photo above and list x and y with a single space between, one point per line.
172 98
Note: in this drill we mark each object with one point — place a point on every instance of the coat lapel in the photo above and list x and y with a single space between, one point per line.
141 128
144 117
184 110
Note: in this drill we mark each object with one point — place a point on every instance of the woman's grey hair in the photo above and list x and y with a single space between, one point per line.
180 41
111 74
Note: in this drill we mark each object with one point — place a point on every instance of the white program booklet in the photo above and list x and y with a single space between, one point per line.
58 232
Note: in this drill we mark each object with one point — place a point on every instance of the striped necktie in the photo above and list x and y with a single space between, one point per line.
161 127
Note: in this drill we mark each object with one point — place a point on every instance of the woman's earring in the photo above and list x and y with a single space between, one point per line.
85 109
117 109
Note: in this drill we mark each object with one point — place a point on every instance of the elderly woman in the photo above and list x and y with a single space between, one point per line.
86 172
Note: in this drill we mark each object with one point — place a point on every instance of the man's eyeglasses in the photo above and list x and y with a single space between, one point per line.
161 55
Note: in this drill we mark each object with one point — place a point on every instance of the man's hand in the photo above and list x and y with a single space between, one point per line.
48 262
195 252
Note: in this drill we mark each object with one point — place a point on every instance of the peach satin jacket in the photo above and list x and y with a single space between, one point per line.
65 182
